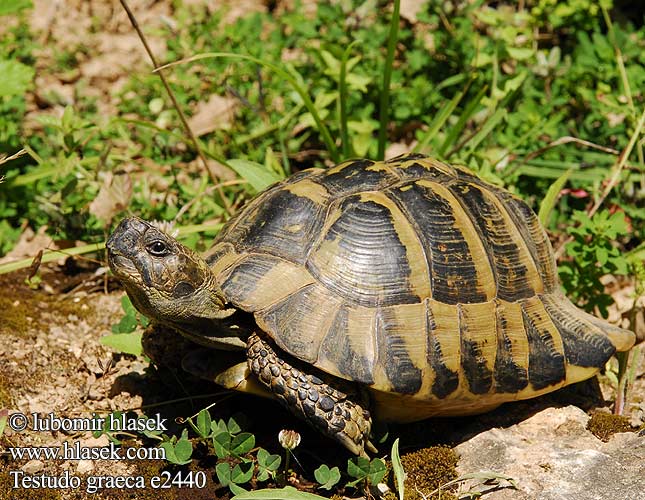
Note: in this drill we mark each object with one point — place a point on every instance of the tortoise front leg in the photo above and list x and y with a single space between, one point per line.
327 409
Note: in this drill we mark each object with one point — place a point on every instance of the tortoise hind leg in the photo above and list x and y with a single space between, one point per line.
326 408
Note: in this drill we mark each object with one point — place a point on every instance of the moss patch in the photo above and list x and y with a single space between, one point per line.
14 317
427 469
6 399
604 425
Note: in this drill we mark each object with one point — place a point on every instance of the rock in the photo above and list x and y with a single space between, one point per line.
85 466
32 467
552 456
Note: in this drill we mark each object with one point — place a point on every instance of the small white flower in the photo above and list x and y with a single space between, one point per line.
288 439
167 227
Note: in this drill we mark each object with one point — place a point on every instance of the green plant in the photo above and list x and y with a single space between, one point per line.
327 477
365 471
234 450
397 468
178 451
125 337
594 254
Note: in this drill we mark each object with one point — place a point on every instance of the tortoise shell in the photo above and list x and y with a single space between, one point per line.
414 278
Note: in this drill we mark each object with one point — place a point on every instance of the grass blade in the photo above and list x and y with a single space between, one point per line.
549 201
441 118
461 122
257 175
397 467
486 129
384 111
346 146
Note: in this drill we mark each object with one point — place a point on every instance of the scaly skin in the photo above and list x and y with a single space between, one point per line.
327 409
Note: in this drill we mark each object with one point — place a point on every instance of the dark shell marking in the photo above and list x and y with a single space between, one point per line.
412 277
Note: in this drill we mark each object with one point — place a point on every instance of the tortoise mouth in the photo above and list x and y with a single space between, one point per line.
121 266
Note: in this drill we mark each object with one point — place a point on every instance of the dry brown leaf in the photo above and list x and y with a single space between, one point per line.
113 196
398 148
29 244
410 8
217 169
216 113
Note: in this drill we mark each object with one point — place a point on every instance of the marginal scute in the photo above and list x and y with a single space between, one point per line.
584 344
546 352
346 354
478 332
512 355
402 346
444 347
301 321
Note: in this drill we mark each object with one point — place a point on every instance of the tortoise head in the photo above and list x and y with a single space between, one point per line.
165 280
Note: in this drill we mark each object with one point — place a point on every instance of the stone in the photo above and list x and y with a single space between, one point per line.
552 456
85 466
32 467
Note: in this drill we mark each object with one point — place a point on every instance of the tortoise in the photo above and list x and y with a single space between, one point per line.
396 290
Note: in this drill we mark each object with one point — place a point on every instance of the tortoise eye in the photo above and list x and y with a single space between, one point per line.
158 248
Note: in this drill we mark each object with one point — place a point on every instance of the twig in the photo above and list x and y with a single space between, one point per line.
171 95
4 158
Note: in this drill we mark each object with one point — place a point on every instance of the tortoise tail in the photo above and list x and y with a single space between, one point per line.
588 341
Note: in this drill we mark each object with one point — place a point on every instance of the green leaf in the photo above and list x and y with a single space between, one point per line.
233 425
377 471
127 343
237 489
551 197
204 423
222 444
257 175
180 452
286 493
223 471
16 78
126 305
13 6
358 467
327 477
184 448
267 464
219 426
397 467
242 473
128 324
267 460
519 54
440 118
242 443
